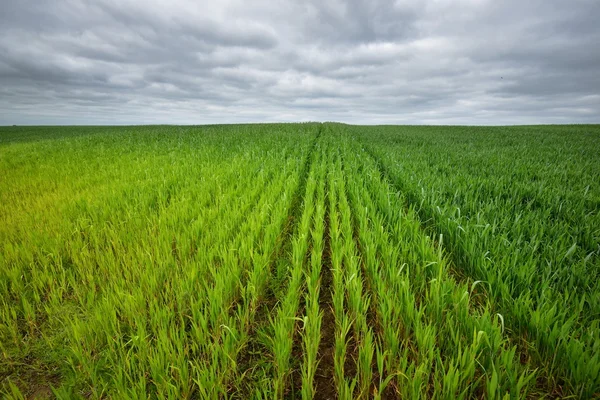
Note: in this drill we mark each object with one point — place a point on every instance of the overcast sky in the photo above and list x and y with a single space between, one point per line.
195 62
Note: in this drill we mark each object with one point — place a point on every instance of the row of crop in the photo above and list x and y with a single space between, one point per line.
279 336
354 338
313 314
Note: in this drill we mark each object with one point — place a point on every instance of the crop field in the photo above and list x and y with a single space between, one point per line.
300 261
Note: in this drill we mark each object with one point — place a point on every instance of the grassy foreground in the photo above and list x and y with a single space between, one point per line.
300 261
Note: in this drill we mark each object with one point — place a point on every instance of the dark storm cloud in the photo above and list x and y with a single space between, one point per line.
438 61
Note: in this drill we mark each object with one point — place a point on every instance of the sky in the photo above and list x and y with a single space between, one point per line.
484 62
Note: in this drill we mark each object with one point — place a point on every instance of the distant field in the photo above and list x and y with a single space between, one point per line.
300 261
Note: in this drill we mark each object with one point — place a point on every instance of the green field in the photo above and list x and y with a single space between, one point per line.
300 261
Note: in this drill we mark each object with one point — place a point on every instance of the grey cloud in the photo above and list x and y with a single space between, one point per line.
189 28
359 21
384 61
